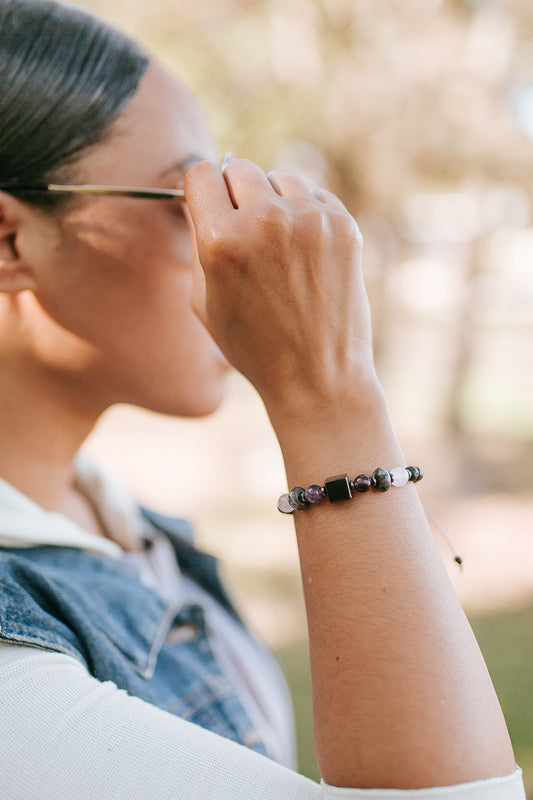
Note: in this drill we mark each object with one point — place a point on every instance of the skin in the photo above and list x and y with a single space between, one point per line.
95 303
97 309
401 695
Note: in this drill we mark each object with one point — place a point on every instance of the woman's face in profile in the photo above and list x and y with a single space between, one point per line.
114 273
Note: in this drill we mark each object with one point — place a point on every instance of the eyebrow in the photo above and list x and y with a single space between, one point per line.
183 164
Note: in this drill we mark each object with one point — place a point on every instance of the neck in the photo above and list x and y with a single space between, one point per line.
40 435
45 411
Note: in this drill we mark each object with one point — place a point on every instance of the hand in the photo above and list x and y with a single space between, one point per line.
281 289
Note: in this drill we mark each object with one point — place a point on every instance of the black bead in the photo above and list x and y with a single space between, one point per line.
338 488
381 479
362 483
414 472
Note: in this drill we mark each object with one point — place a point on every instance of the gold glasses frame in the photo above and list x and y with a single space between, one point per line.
95 189
103 189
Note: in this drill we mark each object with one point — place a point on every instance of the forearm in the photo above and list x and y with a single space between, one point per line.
401 694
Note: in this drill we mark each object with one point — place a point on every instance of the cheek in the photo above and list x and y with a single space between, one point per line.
117 303
108 290
143 232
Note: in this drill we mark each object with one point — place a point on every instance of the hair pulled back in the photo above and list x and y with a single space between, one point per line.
64 76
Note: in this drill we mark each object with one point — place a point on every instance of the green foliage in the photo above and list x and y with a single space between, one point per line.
507 644
294 660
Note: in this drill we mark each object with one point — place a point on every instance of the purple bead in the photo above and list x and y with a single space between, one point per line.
313 493
362 483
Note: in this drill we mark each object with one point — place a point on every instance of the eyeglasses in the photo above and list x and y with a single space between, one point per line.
103 189
93 188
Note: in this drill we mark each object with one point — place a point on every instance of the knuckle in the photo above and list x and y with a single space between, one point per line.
345 224
355 230
271 214
315 215
216 246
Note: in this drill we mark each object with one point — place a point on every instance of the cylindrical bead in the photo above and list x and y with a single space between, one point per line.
297 498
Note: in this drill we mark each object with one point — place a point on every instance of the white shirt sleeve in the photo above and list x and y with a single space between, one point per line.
65 735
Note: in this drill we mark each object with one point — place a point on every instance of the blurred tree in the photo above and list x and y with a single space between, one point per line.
396 97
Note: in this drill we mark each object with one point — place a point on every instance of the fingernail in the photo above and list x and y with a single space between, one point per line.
228 158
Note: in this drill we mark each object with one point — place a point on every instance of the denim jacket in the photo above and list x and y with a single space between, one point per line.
91 607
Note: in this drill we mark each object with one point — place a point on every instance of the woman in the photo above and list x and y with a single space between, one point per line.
124 669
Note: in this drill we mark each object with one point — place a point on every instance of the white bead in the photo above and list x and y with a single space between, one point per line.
400 476
284 506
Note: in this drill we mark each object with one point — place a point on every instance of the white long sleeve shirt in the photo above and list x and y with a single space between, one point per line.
64 734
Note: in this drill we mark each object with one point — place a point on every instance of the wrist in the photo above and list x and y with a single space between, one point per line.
355 435
316 415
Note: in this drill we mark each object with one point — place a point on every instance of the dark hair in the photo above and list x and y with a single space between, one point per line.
64 76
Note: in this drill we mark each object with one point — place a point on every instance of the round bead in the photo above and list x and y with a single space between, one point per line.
381 479
313 493
284 506
362 483
399 476
416 473
297 498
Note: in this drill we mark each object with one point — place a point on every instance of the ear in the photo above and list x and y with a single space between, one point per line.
15 275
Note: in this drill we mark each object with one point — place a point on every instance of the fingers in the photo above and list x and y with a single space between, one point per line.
205 190
213 198
325 196
212 195
242 182
246 183
208 203
289 184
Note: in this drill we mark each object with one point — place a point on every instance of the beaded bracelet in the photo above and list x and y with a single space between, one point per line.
340 487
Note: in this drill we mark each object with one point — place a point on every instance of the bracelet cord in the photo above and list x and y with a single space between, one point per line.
340 488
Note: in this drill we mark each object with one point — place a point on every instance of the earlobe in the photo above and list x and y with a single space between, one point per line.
14 274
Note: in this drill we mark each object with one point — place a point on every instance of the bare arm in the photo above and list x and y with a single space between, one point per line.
401 694
398 677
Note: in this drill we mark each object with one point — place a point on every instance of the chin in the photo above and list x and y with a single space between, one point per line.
205 400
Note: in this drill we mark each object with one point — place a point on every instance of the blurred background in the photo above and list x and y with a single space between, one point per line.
419 114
